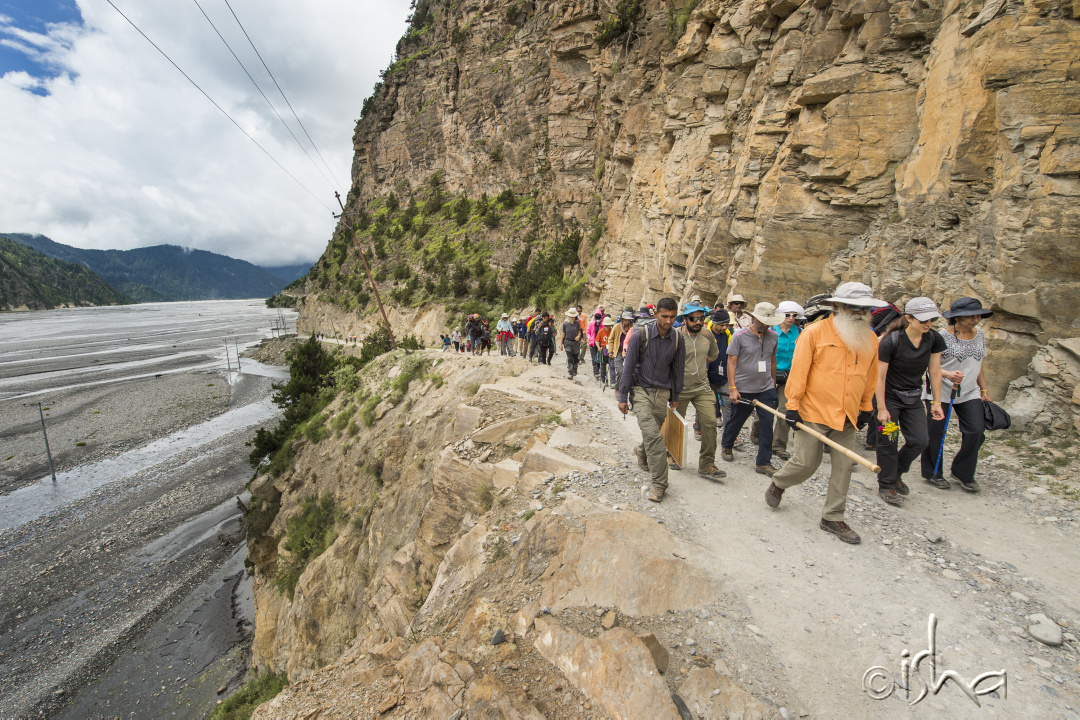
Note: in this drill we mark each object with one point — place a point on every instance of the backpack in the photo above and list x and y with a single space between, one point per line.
545 334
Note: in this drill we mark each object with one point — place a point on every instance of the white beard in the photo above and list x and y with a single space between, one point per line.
854 331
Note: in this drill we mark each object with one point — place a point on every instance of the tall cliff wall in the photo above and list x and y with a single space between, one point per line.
766 147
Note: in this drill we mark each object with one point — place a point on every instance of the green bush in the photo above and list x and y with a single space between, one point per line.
253 693
315 429
367 412
260 514
307 535
677 20
620 22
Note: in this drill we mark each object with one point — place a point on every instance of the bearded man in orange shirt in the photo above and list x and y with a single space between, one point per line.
829 388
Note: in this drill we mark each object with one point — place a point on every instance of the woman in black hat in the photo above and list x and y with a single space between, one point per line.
961 365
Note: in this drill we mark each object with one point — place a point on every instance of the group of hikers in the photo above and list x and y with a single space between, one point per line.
836 365
841 363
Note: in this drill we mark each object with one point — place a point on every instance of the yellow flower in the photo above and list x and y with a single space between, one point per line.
890 430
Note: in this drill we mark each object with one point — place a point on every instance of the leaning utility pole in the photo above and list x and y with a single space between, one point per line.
41 414
368 271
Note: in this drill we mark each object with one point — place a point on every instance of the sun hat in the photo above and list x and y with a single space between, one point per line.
609 321
966 306
857 294
695 299
790 306
765 312
627 315
506 315
922 309
720 316
571 313
736 298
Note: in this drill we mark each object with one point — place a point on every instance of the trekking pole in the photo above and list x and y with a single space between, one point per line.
831 443
948 414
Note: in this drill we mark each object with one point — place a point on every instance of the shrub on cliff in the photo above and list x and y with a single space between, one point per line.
253 693
307 535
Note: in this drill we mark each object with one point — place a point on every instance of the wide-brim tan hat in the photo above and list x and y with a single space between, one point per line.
608 321
736 298
571 313
506 315
857 294
765 312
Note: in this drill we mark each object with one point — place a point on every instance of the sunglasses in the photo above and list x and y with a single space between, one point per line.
695 319
794 315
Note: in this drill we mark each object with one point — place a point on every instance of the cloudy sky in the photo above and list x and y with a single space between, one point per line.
103 144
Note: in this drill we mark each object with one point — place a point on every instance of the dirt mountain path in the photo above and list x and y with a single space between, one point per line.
809 614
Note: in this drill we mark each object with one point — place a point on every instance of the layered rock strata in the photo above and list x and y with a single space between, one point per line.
772 147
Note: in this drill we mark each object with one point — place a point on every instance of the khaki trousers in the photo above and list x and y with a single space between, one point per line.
806 459
650 408
705 403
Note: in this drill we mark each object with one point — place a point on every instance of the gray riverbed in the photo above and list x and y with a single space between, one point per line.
121 584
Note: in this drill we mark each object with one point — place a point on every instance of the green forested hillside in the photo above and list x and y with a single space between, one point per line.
165 272
31 280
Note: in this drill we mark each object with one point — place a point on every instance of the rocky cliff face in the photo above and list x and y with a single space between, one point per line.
768 147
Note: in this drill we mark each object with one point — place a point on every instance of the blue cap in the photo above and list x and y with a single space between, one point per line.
691 307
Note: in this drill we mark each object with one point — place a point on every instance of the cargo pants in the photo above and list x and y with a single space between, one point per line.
650 408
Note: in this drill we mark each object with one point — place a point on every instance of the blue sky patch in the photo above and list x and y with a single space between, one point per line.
20 21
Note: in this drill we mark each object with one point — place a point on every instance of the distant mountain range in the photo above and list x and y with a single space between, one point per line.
30 280
169 272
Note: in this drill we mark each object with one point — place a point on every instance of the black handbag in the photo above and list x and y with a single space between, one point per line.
994 417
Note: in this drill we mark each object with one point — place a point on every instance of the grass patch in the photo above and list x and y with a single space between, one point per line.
307 536
499 549
484 494
472 388
242 703
556 487
315 429
528 515
367 412
80 444
553 418
412 368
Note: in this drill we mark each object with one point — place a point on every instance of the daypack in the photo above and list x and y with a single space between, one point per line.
545 334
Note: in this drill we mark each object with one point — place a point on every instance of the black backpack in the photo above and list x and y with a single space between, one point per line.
545 334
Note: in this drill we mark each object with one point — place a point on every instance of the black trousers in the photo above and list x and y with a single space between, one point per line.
972 426
595 352
740 412
546 353
572 348
895 462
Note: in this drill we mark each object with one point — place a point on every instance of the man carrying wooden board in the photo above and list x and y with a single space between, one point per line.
832 380
653 369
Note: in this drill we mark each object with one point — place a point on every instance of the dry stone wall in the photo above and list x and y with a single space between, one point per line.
774 148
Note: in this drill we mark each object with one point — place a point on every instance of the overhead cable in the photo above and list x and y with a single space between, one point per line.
306 133
238 126
242 67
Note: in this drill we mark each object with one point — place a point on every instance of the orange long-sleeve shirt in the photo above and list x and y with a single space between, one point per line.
828 383
602 337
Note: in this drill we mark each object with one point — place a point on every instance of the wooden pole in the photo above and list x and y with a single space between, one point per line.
371 280
52 469
831 443
228 358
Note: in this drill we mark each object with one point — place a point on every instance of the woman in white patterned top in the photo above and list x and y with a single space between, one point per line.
961 365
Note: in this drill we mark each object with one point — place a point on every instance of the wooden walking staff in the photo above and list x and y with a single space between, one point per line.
831 443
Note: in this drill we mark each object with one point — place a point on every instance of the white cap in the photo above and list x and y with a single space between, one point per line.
788 306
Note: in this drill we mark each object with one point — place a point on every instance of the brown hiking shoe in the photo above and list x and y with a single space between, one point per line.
773 495
765 470
726 454
890 496
711 472
841 530
656 494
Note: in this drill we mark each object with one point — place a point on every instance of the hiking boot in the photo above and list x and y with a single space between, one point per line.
890 496
782 454
939 482
841 530
902 488
773 495
672 465
765 470
970 486
656 494
711 472
726 454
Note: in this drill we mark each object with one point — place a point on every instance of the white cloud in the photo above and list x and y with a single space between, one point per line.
123 152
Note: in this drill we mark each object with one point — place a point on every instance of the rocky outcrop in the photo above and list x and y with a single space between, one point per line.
444 594
1047 398
769 147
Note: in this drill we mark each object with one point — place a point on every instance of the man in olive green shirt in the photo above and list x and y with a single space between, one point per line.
701 349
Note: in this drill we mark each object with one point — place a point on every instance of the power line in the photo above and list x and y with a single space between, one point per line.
242 67
238 126
279 89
